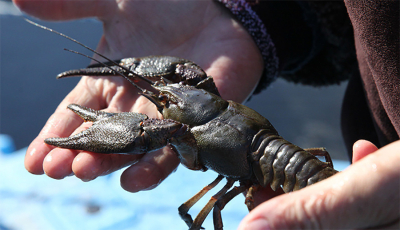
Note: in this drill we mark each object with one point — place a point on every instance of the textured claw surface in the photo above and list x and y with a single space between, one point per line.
152 68
110 132
88 114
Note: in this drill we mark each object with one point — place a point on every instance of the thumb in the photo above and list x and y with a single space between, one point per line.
364 195
66 9
362 148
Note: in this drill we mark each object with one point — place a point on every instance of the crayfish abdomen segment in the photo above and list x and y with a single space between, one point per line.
281 163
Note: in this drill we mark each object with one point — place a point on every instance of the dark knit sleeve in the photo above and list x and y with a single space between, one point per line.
308 42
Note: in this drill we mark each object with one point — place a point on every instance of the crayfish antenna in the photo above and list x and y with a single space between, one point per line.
148 94
94 51
151 97
115 71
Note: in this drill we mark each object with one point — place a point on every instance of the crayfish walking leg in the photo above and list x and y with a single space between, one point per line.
249 197
221 202
184 208
321 152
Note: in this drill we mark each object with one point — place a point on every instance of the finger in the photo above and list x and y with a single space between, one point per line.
362 148
55 127
346 200
150 171
61 124
57 164
66 9
88 166
60 163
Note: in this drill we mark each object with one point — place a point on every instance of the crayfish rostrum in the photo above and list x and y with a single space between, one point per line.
206 132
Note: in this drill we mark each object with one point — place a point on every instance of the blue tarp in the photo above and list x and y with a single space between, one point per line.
29 202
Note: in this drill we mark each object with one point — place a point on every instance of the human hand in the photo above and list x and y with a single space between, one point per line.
365 195
200 31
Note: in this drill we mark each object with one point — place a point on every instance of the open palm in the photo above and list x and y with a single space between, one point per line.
200 31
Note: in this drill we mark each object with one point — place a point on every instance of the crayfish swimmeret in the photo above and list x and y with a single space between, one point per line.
206 132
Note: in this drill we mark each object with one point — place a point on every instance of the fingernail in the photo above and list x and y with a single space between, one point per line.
87 179
258 224
150 188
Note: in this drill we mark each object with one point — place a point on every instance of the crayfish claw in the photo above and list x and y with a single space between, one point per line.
94 70
74 142
88 114
110 132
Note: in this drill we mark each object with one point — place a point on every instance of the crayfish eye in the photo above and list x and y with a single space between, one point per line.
163 98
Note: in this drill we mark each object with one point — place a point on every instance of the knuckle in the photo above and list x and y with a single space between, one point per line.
308 213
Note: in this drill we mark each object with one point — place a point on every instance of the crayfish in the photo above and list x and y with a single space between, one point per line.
206 132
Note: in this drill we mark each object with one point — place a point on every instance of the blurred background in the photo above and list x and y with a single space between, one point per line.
30 58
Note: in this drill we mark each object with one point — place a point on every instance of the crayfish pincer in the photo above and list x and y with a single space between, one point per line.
206 132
